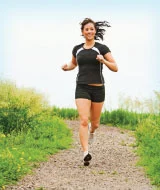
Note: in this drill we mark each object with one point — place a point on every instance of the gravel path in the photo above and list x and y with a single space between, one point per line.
113 166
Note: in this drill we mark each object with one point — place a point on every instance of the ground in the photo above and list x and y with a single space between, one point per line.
113 166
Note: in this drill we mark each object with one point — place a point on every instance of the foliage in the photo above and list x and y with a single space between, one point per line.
65 113
29 131
122 118
148 139
18 107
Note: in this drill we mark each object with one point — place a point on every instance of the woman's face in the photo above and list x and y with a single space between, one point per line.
89 31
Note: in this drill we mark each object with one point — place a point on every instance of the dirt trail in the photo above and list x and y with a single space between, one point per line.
113 166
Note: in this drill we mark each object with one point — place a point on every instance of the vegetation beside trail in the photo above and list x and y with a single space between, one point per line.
29 133
65 113
31 130
148 142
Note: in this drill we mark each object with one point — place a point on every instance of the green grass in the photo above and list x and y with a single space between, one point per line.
65 113
148 139
19 153
123 118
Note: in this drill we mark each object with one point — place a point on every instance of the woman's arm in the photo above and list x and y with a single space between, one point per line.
109 61
71 65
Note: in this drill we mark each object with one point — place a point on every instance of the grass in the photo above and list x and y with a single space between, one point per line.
148 139
65 113
21 152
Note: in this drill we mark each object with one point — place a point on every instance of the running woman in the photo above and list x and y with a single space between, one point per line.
90 57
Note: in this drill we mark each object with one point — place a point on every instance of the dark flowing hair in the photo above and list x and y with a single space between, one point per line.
100 31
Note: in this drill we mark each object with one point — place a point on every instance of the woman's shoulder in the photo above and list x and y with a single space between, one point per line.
97 44
78 46
102 48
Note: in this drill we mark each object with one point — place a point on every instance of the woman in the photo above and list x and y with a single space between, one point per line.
90 90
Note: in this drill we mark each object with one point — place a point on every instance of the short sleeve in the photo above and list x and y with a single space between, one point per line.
74 51
104 49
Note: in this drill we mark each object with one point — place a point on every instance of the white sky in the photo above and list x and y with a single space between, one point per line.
36 48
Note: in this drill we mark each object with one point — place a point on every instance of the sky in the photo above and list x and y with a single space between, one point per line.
37 38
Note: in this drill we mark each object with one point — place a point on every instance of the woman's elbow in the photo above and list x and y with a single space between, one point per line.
115 68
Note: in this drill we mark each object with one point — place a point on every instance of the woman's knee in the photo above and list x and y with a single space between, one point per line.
95 125
84 121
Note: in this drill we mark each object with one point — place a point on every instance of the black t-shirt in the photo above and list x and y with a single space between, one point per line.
90 70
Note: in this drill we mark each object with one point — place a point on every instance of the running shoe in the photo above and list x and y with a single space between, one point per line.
87 159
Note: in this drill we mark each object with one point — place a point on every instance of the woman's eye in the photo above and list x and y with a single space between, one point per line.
87 29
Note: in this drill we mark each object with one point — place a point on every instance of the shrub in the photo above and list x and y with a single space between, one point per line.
18 107
148 139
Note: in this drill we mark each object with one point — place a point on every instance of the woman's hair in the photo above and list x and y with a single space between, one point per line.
98 26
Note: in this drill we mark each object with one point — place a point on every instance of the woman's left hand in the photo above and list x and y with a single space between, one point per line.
108 60
100 58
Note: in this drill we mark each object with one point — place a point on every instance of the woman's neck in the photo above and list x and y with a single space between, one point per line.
89 44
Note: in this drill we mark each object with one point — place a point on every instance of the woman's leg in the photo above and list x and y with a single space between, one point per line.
95 113
83 107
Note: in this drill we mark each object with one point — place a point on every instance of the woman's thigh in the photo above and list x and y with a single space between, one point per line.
83 107
96 109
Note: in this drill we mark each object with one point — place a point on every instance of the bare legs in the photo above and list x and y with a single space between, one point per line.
83 106
95 114
88 111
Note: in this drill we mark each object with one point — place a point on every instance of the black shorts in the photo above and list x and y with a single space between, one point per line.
93 93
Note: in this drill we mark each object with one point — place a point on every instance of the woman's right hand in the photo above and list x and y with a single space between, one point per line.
70 66
64 67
